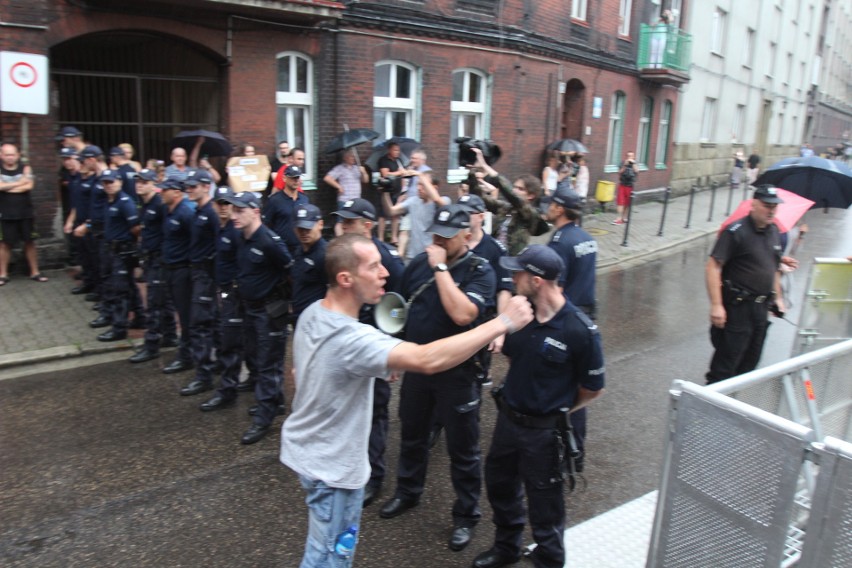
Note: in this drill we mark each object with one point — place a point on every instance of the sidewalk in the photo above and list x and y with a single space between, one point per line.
43 322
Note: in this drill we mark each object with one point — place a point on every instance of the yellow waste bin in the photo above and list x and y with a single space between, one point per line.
605 191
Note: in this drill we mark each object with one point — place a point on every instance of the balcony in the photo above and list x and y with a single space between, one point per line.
665 54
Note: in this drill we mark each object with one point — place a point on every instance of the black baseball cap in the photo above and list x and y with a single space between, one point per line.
539 260
474 203
223 192
108 175
357 209
767 194
116 151
197 176
68 132
146 175
567 198
243 200
69 153
91 152
171 183
449 220
307 216
293 172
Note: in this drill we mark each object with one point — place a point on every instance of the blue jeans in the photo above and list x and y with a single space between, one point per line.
330 512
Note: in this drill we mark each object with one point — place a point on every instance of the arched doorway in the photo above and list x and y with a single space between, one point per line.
135 87
572 110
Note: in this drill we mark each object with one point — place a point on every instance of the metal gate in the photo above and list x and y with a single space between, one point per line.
135 87
827 310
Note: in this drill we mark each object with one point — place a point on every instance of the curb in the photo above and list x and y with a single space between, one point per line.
62 352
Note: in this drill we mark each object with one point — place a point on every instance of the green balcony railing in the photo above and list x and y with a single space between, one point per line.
664 47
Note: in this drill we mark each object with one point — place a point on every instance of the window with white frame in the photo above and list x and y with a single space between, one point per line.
717 31
739 122
789 78
578 9
624 9
294 104
643 139
395 99
770 59
616 130
467 108
748 51
779 138
663 135
708 121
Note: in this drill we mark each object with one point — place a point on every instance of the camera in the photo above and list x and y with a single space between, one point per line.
490 151
389 184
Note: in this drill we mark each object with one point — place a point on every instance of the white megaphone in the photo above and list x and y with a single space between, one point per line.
391 313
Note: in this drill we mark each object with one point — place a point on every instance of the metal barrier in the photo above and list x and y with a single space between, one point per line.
747 479
666 191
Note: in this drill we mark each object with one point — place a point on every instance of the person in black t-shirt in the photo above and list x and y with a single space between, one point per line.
16 212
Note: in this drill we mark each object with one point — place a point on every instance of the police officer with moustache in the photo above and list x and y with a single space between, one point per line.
121 228
159 312
229 350
177 238
358 216
203 311
308 272
279 213
463 289
264 265
556 367
578 251
743 281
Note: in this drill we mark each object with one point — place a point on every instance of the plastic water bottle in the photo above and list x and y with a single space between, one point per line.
345 543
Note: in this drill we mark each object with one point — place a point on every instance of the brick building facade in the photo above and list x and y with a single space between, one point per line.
525 73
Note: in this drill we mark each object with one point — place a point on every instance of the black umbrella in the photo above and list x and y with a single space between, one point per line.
406 147
349 138
826 182
568 145
214 143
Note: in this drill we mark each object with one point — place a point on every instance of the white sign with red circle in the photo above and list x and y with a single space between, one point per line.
23 83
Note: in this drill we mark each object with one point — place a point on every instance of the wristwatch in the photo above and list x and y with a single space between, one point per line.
440 267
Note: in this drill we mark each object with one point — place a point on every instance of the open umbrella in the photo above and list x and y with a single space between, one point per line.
214 143
349 138
826 182
568 145
406 147
786 215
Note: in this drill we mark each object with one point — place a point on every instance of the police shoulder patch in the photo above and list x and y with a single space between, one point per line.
587 321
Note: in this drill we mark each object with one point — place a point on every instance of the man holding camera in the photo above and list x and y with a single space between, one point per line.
626 178
456 289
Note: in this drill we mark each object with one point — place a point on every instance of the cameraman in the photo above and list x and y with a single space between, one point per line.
516 215
626 178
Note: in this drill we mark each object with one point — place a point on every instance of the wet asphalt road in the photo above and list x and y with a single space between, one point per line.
107 466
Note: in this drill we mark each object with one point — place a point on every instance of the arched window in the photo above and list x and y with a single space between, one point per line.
643 138
616 130
467 108
395 99
663 135
294 100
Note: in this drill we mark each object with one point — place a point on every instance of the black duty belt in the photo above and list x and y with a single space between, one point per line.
175 265
121 246
526 420
747 295
207 265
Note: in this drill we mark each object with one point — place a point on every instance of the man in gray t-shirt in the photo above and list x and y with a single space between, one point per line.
336 360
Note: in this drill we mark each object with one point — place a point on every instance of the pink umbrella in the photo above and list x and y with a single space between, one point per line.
786 216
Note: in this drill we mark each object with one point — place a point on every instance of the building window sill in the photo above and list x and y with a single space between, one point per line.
610 169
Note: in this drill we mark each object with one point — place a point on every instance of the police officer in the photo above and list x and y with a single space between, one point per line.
93 229
455 288
229 349
203 311
578 251
121 228
159 313
72 177
279 213
359 216
264 264
556 365
177 238
308 273
125 171
743 280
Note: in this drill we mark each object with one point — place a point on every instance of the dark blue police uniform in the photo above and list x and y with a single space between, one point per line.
97 218
229 350
381 389
177 237
127 176
204 310
452 394
579 253
121 216
549 362
279 214
264 262
160 312
308 276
